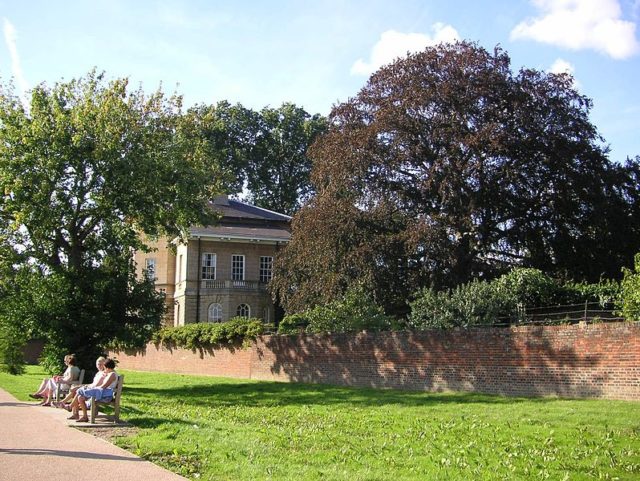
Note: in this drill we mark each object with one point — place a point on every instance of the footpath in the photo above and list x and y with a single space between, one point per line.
39 443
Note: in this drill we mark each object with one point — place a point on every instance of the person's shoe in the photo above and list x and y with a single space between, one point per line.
82 420
73 417
36 396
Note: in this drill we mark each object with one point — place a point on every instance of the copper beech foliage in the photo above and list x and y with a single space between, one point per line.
448 166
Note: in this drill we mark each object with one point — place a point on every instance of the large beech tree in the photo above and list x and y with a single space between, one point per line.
85 170
448 166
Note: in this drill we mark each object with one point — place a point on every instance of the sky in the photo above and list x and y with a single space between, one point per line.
318 54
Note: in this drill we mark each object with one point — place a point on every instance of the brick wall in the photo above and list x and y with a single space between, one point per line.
594 361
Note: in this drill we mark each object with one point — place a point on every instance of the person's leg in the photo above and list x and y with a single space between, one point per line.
40 390
82 404
69 397
74 408
47 394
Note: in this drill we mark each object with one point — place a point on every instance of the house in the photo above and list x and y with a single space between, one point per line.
222 271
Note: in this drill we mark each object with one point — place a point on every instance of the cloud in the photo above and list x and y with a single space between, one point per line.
561 66
581 24
394 44
10 37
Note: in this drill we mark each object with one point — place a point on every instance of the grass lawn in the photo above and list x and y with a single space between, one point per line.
214 428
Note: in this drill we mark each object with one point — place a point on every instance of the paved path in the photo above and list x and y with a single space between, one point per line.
38 443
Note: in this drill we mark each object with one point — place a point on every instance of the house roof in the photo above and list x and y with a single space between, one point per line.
245 223
230 208
242 232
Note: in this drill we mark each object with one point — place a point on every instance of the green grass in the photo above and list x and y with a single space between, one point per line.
213 428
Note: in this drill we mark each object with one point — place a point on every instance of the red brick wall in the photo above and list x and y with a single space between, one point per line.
596 360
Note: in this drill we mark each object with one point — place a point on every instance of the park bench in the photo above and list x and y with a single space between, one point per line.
63 388
115 402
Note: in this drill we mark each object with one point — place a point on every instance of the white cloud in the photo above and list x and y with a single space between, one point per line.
561 66
10 37
393 45
581 24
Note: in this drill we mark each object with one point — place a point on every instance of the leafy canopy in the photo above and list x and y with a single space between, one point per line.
446 167
264 153
88 169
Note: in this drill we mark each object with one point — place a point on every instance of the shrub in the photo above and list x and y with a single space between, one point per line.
482 302
293 324
356 311
477 302
529 287
205 335
630 292
605 292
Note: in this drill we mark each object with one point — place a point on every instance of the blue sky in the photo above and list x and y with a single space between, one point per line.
316 54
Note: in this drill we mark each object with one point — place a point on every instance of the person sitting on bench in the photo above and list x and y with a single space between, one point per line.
48 386
103 392
70 398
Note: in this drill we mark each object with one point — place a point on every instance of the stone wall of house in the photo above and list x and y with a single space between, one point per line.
584 360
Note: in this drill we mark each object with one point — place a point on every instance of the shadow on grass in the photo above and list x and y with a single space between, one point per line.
263 394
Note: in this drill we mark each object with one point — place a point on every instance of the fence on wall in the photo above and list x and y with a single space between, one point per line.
563 314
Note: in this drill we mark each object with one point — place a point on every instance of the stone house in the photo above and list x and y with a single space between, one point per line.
222 271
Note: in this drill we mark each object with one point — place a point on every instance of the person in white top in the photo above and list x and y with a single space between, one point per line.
49 385
102 392
96 379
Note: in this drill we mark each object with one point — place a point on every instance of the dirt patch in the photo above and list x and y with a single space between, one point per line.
108 433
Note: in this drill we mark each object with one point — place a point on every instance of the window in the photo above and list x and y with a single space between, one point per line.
266 268
179 268
150 266
208 266
215 313
243 310
237 267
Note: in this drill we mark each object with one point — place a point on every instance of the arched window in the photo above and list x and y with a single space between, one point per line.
243 310
215 313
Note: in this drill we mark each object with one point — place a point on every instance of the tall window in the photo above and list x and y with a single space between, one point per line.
266 268
215 313
208 266
243 310
237 267
179 269
150 266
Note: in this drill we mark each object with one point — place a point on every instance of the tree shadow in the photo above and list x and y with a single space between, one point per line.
69 454
272 394
528 361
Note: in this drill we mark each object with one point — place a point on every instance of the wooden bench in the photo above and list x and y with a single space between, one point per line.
64 388
115 402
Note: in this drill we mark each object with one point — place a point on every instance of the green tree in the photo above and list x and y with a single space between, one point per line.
86 172
446 167
225 132
278 165
264 154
